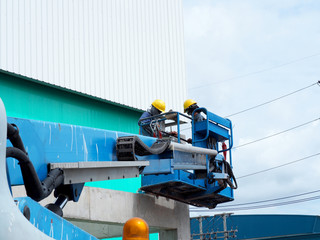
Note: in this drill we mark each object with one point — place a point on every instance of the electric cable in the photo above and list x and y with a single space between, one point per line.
285 164
275 134
261 206
264 201
273 100
257 72
270 101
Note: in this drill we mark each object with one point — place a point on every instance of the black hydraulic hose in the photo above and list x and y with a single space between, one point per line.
230 172
31 180
35 189
14 137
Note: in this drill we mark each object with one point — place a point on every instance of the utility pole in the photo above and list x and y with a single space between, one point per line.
204 234
200 228
224 217
226 232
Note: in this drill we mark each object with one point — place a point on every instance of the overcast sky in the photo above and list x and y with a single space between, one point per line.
243 53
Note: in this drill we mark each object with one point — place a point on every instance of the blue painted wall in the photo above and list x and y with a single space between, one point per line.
264 226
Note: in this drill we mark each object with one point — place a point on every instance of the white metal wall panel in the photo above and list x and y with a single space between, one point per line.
127 51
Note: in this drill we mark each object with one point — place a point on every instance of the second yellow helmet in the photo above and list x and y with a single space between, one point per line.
159 104
188 103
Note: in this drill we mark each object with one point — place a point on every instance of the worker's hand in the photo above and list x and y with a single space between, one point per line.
173 133
189 140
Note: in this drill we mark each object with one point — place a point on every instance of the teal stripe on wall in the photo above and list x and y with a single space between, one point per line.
28 99
152 236
25 98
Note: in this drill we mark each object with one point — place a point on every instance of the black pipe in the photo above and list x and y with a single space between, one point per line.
35 189
14 137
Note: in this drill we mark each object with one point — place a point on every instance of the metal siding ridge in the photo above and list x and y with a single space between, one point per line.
101 49
124 54
91 41
95 87
116 52
131 46
108 49
152 29
66 47
55 47
9 34
3 37
144 69
183 80
45 38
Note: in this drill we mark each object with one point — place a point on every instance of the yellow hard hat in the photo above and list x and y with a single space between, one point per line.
135 229
188 103
159 104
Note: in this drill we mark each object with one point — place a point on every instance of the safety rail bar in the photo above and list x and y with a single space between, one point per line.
163 117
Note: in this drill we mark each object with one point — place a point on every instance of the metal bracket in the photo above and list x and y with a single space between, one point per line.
81 172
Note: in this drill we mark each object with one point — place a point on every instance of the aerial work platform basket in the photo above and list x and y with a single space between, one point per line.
195 174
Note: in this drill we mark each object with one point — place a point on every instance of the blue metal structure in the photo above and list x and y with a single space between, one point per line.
61 158
197 186
275 227
49 223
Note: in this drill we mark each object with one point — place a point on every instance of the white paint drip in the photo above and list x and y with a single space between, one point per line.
51 230
50 135
85 150
97 152
71 137
75 133
62 230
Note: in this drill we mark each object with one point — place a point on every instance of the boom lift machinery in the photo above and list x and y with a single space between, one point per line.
50 157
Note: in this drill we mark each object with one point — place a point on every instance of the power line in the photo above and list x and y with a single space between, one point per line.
273 100
259 71
272 135
270 101
261 206
269 200
268 169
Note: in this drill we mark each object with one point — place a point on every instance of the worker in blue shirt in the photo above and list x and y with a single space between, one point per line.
157 107
189 106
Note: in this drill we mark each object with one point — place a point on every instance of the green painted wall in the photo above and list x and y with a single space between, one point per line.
26 98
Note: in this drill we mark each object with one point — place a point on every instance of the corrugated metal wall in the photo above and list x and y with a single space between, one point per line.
127 51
